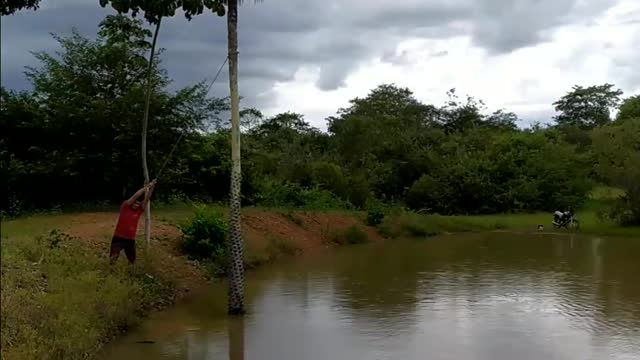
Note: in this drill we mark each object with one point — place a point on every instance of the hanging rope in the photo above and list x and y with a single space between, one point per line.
166 160
217 74
175 145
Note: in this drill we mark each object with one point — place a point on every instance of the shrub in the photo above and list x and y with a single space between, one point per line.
374 217
329 176
205 234
359 190
625 211
287 194
375 213
352 235
217 264
277 247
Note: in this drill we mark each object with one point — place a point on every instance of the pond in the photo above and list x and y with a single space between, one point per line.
478 296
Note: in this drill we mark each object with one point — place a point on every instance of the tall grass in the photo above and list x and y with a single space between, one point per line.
61 300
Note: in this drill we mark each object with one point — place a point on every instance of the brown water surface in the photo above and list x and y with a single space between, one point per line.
482 297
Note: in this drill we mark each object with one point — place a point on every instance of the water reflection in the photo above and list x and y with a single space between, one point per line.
472 297
236 338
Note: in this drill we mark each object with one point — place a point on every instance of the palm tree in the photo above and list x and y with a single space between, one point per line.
145 126
236 244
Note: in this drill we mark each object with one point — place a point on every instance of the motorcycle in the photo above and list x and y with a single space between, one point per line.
565 220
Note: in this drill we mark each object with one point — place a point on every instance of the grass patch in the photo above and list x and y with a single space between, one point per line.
61 300
408 224
606 193
275 248
350 236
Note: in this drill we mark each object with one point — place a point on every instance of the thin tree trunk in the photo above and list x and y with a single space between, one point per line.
145 125
236 246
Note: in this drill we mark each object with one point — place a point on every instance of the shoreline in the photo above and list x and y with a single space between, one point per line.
68 291
67 287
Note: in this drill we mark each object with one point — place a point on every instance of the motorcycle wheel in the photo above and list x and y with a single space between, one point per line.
575 224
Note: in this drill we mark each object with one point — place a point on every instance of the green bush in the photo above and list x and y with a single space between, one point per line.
625 211
291 195
501 172
329 176
374 217
359 190
217 264
205 233
375 212
277 247
352 235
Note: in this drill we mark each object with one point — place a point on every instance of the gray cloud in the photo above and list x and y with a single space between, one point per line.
278 38
502 26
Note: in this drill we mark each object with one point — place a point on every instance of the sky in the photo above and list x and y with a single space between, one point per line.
312 57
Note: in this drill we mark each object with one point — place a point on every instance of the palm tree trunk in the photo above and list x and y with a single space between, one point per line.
145 124
236 246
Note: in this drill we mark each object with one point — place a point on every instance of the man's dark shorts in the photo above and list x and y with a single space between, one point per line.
118 244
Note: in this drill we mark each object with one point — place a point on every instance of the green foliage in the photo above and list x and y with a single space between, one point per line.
205 234
277 247
617 153
483 172
629 109
457 158
375 212
587 107
287 194
63 302
8 7
54 239
80 127
217 263
410 224
352 235
329 176
154 10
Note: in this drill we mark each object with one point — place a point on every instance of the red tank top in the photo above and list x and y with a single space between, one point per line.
127 226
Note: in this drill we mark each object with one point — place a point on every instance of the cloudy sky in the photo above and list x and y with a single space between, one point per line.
313 56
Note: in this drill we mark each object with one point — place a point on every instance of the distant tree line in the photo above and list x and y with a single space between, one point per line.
74 139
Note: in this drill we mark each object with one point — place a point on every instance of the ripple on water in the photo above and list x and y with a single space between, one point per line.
497 298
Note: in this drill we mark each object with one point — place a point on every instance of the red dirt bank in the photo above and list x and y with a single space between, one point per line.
308 232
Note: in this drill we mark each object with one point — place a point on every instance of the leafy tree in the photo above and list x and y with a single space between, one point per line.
8 7
456 116
78 130
379 135
154 11
629 109
586 108
487 172
617 153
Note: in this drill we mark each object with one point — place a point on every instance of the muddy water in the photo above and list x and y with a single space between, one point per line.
481 297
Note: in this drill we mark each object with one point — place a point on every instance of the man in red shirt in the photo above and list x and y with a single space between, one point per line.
124 238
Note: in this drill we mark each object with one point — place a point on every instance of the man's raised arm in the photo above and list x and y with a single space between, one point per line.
135 196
